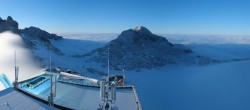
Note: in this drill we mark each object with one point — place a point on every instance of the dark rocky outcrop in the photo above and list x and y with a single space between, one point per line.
8 25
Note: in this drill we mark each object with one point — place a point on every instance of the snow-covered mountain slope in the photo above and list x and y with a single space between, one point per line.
70 47
74 48
138 48
34 37
191 87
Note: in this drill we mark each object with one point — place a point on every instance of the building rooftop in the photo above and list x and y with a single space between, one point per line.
78 94
11 99
82 97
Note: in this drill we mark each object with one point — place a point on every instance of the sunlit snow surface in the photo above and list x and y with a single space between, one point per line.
223 86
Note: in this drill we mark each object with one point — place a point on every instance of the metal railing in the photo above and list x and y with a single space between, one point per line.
78 82
137 99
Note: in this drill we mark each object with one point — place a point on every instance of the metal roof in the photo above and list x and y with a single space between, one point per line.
81 97
11 99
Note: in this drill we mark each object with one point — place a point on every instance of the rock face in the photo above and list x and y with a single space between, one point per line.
8 25
138 48
34 36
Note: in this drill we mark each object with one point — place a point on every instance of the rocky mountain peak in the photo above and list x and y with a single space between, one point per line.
142 31
140 36
138 48
9 18
8 25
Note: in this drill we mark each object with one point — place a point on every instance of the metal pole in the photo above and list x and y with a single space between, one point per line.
16 72
108 65
50 58
15 59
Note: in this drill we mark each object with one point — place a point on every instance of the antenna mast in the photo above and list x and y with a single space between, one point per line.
53 83
108 64
104 91
16 72
15 58
50 59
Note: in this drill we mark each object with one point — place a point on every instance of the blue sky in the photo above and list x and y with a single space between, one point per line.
230 17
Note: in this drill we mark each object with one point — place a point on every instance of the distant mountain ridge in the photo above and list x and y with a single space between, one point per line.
133 49
32 36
